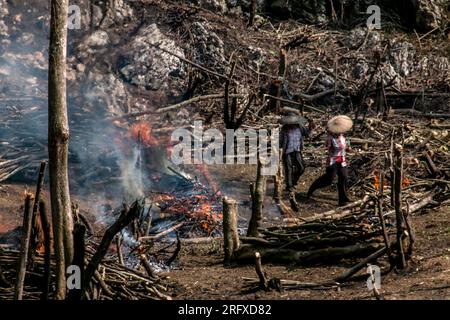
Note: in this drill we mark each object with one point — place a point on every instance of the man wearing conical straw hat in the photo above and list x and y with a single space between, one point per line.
293 131
337 145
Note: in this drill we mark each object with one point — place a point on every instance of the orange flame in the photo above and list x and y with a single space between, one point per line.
145 131
376 184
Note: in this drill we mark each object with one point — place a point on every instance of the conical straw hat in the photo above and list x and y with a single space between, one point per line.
293 118
339 124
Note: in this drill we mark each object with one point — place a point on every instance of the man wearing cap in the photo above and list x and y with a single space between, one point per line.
292 134
337 145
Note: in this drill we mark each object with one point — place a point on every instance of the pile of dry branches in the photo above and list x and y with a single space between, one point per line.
28 273
111 281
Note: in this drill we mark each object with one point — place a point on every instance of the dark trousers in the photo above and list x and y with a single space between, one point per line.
327 179
294 167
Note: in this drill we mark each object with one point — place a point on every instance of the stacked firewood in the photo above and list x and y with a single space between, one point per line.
112 281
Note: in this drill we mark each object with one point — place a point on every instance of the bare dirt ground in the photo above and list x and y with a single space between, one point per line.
200 274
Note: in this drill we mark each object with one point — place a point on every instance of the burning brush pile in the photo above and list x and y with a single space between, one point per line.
177 204
103 274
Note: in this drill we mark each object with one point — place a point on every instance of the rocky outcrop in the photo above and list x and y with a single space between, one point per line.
430 14
147 66
401 57
107 92
358 37
209 46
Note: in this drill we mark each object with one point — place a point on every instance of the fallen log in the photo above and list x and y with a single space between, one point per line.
247 252
162 234
339 212
427 200
348 273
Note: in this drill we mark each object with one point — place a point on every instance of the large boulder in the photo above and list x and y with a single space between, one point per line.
430 14
209 46
109 13
401 56
147 66
434 66
358 37
106 92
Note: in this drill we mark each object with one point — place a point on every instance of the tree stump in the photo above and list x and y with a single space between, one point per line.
230 231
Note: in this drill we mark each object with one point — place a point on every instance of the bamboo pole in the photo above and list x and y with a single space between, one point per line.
22 266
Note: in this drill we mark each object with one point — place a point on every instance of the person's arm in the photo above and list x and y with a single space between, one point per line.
283 138
347 145
305 131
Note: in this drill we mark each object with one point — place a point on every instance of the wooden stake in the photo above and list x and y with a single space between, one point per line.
409 227
380 213
148 268
230 231
257 202
398 177
263 283
119 248
79 232
47 245
26 233
36 226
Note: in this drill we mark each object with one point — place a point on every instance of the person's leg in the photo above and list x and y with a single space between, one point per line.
299 167
297 170
324 180
288 171
342 173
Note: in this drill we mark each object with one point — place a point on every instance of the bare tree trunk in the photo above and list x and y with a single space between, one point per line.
58 136
230 232
257 202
